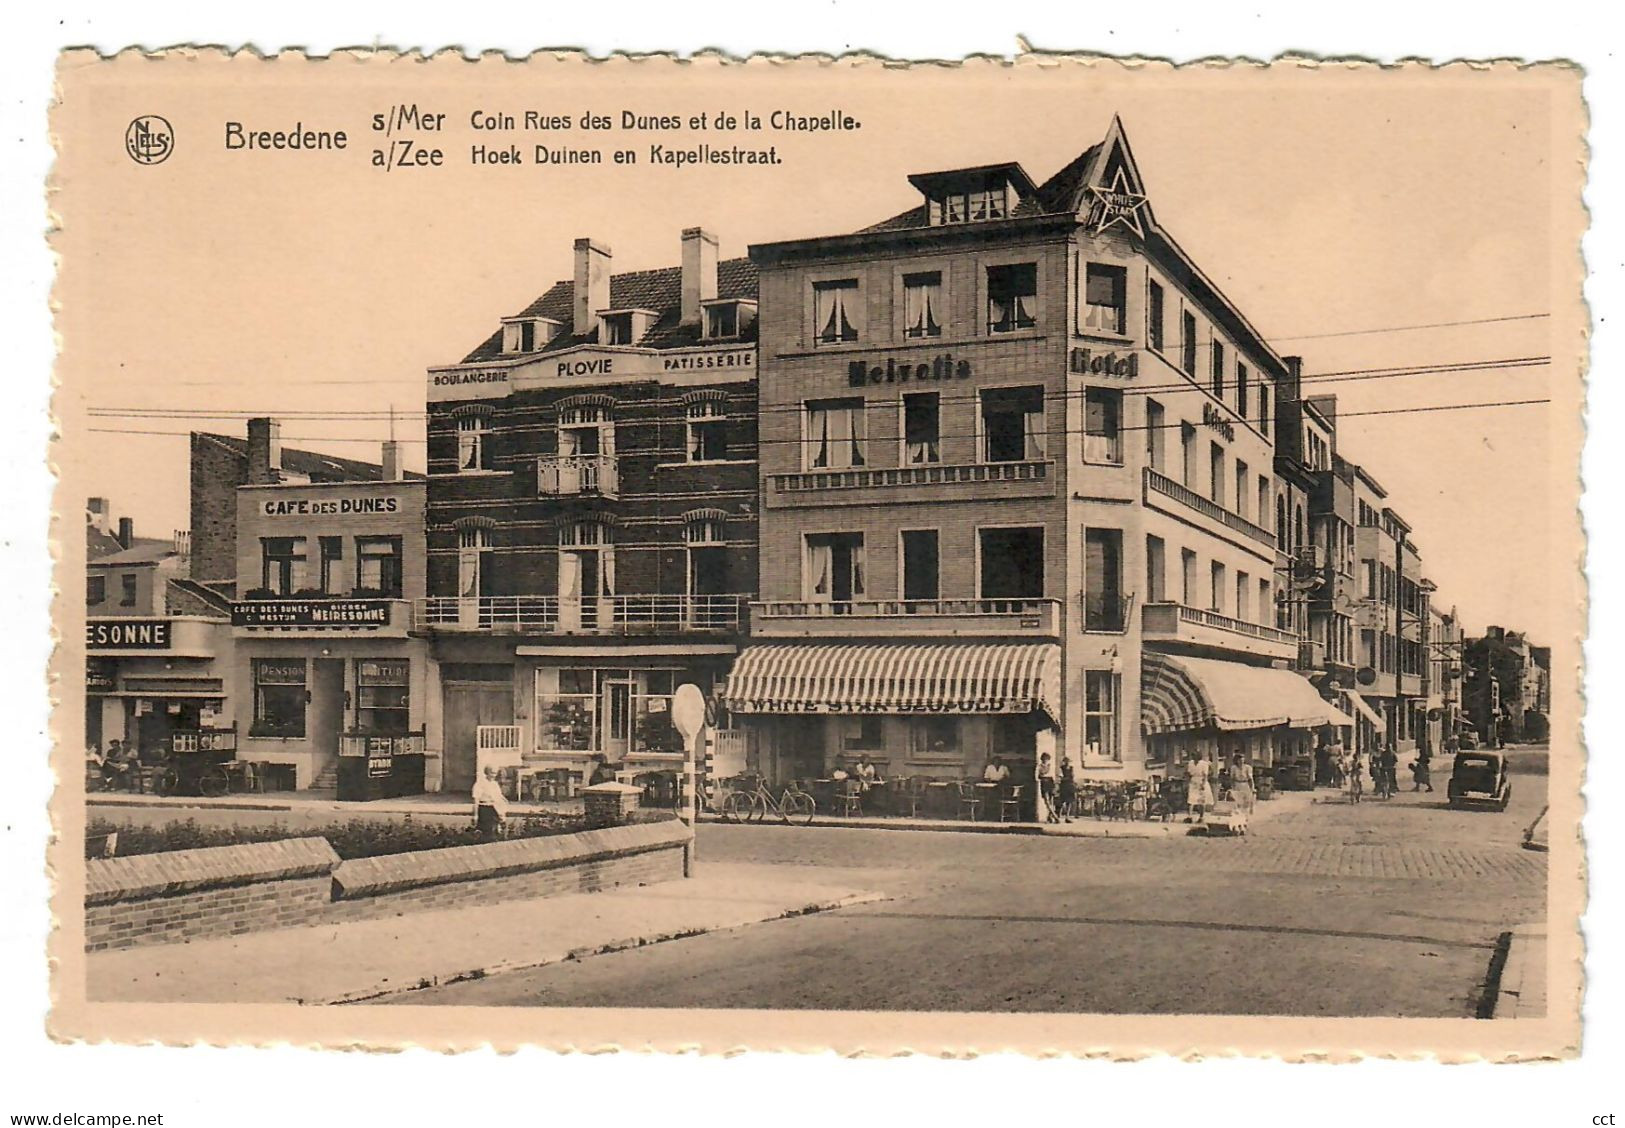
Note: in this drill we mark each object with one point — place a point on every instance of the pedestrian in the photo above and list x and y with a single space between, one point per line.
1198 785
490 805
1422 771
1046 788
1068 789
1386 770
1241 783
1335 758
1354 770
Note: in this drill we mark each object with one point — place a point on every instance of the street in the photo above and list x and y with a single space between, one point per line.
1388 908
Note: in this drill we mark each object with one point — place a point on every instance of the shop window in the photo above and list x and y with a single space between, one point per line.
96 589
378 566
1187 343
835 311
834 569
936 737
332 556
383 692
1103 427
922 305
1012 424
283 570
922 428
473 445
279 697
1105 298
566 717
127 589
707 431
1012 297
836 434
921 565
1100 693
1154 300
863 734
1012 564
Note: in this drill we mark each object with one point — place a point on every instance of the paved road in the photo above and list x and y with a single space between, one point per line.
1388 908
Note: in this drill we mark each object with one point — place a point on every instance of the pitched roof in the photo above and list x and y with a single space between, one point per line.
311 464
1057 195
660 290
145 550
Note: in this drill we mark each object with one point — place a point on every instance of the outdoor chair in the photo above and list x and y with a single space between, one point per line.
849 798
1010 804
970 802
908 796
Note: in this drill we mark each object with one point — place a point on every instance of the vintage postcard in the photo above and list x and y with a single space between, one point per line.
1069 555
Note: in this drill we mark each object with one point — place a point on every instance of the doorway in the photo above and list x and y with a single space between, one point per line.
617 712
326 710
467 706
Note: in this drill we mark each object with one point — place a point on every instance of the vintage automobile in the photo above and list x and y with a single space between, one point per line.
1480 777
1467 738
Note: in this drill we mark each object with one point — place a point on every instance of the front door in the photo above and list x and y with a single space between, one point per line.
467 706
617 714
326 709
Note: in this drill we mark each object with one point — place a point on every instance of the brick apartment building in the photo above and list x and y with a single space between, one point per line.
592 511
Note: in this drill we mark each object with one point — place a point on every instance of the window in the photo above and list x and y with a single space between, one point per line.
1103 580
1263 499
527 336
473 546
708 572
332 556
837 434
834 304
1215 480
1241 389
1012 424
472 452
707 431
1264 602
378 565
861 733
1012 563
1187 343
1241 488
617 329
567 717
127 589
1102 427
921 564
1187 455
1244 596
1283 531
935 736
1266 394
1105 298
96 589
722 320
283 558
279 697
922 305
1012 297
1187 577
1371 579
834 569
382 693
969 207
586 573
1216 574
1100 714
1217 375
922 428
1156 564
1154 315
1154 424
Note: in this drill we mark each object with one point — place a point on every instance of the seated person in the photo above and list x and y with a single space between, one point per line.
996 772
839 774
117 765
867 773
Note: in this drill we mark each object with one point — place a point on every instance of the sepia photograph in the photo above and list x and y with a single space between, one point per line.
1049 555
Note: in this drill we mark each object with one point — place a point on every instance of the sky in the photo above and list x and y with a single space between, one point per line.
1333 208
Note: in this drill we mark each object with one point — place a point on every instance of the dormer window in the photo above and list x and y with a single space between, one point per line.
976 206
973 195
624 326
527 334
728 318
617 328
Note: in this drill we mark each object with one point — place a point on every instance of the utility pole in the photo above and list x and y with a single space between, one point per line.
1399 635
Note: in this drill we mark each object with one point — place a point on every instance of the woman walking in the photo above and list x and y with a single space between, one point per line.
1068 790
1198 786
1241 783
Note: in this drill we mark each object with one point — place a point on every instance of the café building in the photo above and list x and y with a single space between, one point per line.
1017 492
332 680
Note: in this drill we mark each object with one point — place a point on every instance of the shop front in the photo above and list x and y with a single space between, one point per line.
936 712
150 680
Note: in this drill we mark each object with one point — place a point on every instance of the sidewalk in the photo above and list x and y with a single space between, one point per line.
367 959
1523 979
428 803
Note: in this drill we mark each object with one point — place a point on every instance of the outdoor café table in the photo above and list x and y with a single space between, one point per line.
823 792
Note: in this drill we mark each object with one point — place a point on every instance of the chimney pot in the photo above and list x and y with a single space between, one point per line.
391 461
99 513
699 272
264 451
592 261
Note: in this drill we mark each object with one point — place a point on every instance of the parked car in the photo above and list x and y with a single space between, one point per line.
1480 777
1467 739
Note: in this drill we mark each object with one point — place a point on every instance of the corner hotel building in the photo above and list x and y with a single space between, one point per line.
1017 492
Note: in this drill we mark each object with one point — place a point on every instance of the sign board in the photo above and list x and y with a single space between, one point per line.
688 711
101 676
335 613
378 767
497 378
129 634
329 506
1365 675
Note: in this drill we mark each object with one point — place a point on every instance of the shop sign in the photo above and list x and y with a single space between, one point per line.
1214 418
1092 362
383 671
330 506
101 676
860 373
128 634
1117 205
378 767
280 671
311 613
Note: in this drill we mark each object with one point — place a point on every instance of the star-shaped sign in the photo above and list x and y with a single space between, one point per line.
1118 205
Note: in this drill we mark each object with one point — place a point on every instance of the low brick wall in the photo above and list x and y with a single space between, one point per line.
218 891
193 894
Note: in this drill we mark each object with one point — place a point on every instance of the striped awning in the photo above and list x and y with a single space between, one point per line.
1190 693
896 678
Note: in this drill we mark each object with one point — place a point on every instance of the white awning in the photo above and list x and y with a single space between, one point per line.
1359 705
1178 693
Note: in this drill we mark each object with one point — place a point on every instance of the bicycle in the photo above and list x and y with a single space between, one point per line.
752 805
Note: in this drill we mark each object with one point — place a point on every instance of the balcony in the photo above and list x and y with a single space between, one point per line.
949 618
594 475
1159 483
611 615
1209 630
1106 614
1311 655
932 481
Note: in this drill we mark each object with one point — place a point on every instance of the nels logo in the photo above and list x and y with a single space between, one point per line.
149 140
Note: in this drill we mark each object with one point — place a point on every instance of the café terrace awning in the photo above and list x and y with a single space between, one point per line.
1365 710
1190 693
896 678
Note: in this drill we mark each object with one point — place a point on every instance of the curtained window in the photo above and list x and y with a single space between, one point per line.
834 311
472 451
1105 298
1012 424
836 434
922 305
1012 297
922 428
1103 427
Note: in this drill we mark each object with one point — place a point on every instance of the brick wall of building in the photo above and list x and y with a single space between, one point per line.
216 472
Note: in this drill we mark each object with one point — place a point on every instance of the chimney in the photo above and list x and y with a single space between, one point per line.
98 510
591 284
264 452
391 461
699 271
126 532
